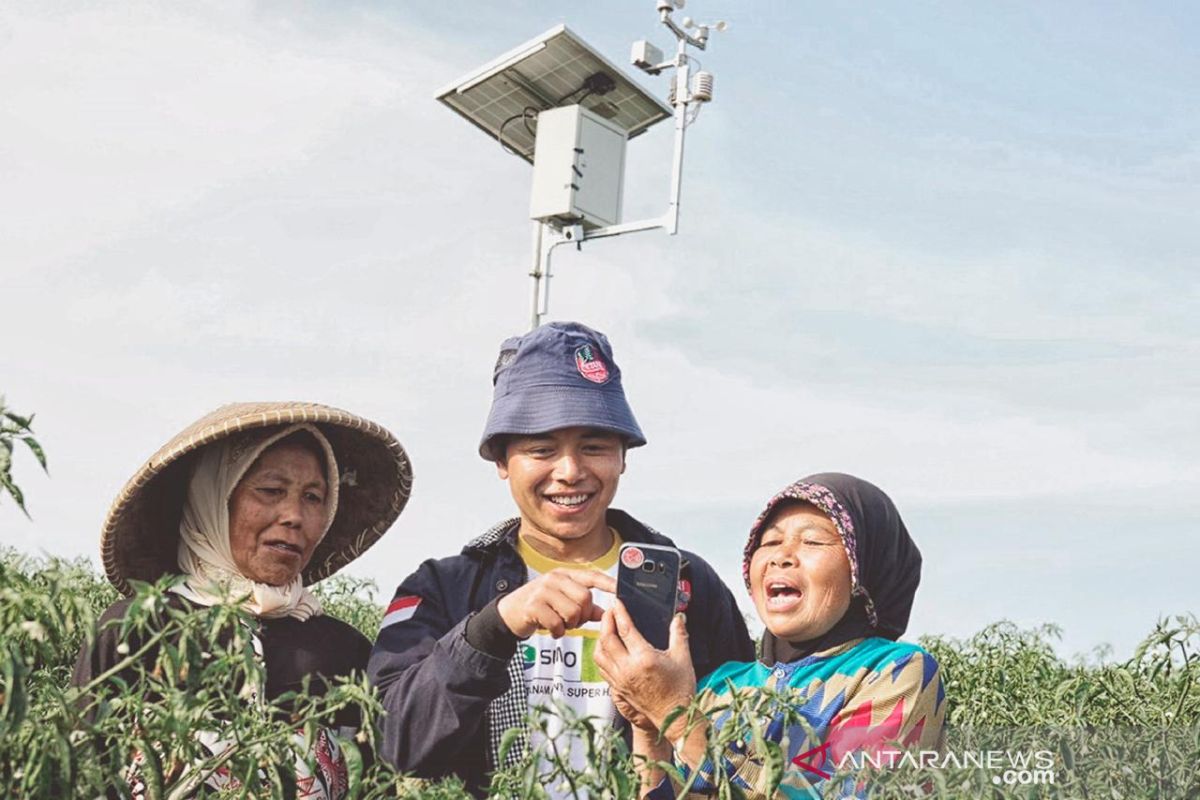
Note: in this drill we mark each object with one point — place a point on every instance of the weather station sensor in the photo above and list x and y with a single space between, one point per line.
560 105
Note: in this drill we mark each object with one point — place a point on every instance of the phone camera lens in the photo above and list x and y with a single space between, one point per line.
647 566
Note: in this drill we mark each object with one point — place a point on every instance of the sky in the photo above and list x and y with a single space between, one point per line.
950 248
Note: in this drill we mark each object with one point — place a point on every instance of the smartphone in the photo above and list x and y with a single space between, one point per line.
648 583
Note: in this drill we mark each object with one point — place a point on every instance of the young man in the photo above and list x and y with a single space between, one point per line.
472 643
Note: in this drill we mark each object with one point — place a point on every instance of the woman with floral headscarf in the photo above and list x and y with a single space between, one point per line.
832 572
252 504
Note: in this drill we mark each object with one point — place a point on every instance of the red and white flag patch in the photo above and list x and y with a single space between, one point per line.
684 595
401 609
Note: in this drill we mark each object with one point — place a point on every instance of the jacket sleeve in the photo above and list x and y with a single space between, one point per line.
435 686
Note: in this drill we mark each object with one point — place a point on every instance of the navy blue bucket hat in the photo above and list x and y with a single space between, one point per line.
561 375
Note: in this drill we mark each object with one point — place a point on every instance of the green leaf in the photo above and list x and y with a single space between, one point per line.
354 765
17 496
506 742
151 769
1067 754
14 705
774 764
37 451
670 718
24 422
66 758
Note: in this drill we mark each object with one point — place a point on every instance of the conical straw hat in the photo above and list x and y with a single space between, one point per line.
141 533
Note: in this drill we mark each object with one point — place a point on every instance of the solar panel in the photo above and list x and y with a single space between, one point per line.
544 73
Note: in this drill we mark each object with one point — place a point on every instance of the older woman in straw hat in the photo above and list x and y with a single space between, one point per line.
255 502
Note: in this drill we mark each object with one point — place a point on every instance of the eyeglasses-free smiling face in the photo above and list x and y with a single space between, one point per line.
800 575
563 481
277 514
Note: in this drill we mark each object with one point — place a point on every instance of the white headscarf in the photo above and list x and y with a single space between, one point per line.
205 555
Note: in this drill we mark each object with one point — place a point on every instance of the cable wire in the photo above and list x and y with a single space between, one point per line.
525 114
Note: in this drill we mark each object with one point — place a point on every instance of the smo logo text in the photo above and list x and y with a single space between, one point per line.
547 656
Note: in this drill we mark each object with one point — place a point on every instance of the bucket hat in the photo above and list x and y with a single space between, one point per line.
140 537
560 375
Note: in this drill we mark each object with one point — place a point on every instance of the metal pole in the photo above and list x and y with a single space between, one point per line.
545 239
547 249
681 102
535 318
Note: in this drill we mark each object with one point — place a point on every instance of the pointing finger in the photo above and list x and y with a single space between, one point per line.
595 579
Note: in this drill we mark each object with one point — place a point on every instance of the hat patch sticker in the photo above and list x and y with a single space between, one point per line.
590 365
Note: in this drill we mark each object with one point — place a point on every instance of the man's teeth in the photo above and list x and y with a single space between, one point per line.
569 500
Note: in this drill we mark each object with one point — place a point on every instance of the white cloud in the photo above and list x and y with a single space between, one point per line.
115 117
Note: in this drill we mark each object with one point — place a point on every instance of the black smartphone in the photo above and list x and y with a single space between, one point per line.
648 585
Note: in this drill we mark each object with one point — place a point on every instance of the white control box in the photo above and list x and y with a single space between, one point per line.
578 168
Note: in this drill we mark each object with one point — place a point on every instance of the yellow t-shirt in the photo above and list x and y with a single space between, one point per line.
564 669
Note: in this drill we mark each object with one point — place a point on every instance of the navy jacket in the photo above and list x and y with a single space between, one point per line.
437 687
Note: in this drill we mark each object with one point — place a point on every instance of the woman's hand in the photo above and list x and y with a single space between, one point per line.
630 712
644 680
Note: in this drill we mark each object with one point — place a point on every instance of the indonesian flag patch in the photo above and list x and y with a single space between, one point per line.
401 609
684 595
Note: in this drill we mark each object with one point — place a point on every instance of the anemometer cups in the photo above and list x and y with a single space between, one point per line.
560 375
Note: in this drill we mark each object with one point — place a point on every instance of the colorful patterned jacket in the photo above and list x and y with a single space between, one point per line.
864 696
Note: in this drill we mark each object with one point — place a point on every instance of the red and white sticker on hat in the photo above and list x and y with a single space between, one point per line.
590 365
632 557
401 609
